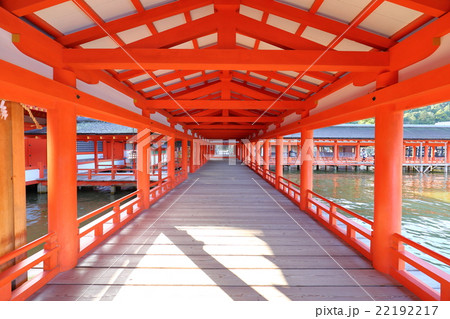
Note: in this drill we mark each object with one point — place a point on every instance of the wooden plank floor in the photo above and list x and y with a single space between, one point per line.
224 234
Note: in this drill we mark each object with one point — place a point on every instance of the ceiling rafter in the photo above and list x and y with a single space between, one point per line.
272 35
268 84
179 85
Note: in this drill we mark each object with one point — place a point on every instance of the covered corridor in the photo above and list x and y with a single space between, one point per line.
223 234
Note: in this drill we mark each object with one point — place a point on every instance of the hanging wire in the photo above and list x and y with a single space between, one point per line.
134 60
328 48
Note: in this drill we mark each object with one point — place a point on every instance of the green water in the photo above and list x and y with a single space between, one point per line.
88 200
426 203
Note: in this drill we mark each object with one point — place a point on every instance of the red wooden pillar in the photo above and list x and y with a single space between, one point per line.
191 158
335 152
184 158
388 185
258 153
170 154
278 160
13 221
426 160
266 154
62 176
358 153
447 152
306 169
96 155
160 165
143 167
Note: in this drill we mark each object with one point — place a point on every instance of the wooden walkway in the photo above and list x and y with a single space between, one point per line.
224 234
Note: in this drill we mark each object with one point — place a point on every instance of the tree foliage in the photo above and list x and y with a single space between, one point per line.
430 114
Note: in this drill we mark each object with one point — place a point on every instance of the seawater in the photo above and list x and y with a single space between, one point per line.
426 203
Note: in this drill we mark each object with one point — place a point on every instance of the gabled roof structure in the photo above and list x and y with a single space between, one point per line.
241 68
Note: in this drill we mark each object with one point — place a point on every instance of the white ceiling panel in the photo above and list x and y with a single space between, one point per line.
65 17
162 72
112 9
283 23
389 18
207 40
185 45
292 74
311 80
192 76
302 4
202 12
102 43
350 45
245 41
250 12
279 82
259 76
147 4
318 36
267 46
134 34
342 10
151 88
169 22
140 78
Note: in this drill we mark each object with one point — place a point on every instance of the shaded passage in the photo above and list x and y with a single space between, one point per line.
221 236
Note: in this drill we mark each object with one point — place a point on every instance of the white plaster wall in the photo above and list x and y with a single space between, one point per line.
11 54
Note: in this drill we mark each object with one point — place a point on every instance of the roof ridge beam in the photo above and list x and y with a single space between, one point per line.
372 61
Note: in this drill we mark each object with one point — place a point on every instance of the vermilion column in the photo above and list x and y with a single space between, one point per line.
62 176
13 219
278 160
388 185
62 182
191 158
143 167
184 158
258 153
170 153
266 154
306 169
160 165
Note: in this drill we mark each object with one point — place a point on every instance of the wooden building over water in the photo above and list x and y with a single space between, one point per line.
193 71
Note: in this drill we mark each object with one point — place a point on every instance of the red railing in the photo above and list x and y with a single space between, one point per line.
413 282
110 173
290 189
19 271
356 230
331 216
108 219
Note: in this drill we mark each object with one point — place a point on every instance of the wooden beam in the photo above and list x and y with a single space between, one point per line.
248 119
224 104
225 127
224 59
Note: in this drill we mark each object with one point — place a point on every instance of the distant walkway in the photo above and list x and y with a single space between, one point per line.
224 234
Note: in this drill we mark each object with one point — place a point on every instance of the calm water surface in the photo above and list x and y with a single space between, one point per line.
426 202
88 200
